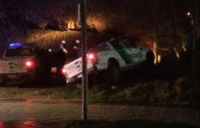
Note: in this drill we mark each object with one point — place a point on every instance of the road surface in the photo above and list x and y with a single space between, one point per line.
28 112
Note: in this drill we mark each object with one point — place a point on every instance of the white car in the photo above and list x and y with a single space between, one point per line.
19 63
114 56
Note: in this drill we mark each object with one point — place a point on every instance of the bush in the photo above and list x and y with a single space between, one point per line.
180 92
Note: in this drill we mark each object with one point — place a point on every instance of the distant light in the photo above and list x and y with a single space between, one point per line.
77 41
159 58
75 47
49 50
71 25
54 70
63 41
188 13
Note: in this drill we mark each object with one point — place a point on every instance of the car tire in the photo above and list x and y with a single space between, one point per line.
113 73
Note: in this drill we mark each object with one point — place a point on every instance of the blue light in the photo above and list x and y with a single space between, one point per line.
15 45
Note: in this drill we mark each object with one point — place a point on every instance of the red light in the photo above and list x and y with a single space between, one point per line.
91 56
2 124
29 64
28 124
64 71
29 100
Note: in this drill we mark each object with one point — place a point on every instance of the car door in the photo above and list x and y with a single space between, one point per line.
133 52
122 50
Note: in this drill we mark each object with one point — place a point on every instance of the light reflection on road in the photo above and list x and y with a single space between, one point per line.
31 124
15 124
1 124
28 124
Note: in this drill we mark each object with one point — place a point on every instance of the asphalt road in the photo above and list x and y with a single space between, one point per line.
29 112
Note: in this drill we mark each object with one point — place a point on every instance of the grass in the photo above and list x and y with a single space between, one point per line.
180 92
183 91
39 93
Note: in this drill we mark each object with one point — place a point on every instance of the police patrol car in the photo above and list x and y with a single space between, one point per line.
19 63
112 56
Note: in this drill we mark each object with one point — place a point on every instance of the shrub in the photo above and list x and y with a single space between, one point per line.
183 91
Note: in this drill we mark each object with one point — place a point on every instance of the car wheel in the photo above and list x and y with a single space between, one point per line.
113 73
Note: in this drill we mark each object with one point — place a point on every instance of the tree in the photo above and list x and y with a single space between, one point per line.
163 21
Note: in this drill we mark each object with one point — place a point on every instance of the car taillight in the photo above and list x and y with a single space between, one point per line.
64 71
29 64
93 57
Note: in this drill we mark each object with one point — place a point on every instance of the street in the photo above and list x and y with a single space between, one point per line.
29 112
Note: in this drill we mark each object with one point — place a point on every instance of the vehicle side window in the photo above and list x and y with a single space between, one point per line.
128 44
117 44
102 47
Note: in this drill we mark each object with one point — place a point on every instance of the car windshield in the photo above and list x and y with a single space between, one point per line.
19 52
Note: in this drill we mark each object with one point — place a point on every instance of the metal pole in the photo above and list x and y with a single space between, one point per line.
84 62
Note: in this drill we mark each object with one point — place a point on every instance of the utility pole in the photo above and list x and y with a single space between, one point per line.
84 61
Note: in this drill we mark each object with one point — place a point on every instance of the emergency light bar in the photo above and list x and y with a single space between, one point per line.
15 45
